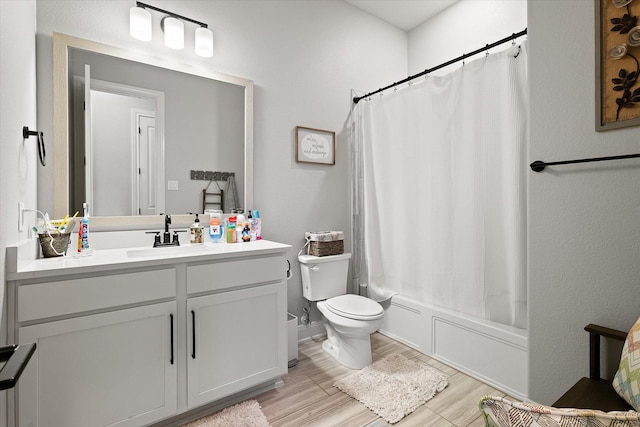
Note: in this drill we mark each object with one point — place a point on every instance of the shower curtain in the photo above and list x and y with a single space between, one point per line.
440 191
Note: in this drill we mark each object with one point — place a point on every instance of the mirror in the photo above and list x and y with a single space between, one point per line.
193 120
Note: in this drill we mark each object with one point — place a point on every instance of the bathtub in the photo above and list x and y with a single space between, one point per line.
490 352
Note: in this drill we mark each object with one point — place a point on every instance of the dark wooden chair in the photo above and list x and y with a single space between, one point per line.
594 392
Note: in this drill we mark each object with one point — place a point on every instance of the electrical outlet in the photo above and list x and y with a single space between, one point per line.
20 216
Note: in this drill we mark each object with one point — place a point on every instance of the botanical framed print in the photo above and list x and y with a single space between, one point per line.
315 146
617 66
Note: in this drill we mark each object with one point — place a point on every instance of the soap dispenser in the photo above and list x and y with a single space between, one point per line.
196 232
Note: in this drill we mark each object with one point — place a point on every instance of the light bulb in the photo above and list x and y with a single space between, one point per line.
204 42
140 23
173 33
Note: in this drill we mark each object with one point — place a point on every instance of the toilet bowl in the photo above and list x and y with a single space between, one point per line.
348 319
349 332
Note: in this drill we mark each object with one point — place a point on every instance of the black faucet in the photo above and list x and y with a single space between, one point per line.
167 237
167 240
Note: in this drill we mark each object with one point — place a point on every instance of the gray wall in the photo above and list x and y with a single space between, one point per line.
18 158
584 221
19 165
464 27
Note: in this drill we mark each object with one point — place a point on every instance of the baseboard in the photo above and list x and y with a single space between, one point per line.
312 330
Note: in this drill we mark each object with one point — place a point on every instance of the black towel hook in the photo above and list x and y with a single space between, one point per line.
42 154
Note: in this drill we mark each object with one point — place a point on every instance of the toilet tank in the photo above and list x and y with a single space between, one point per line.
324 277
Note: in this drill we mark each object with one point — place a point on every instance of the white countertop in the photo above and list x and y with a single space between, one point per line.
115 259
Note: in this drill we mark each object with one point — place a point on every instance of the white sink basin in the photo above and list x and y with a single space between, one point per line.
168 251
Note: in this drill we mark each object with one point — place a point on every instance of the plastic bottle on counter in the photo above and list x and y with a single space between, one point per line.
216 229
246 232
252 234
196 232
83 232
231 229
256 225
239 226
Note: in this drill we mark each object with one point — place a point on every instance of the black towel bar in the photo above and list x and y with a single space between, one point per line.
539 165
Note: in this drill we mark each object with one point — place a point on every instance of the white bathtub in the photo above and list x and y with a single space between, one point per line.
493 353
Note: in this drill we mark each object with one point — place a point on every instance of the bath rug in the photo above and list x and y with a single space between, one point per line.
394 387
244 414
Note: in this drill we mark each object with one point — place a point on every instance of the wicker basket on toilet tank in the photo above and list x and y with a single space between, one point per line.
324 243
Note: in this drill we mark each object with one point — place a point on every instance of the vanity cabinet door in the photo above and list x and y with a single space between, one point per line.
235 340
116 368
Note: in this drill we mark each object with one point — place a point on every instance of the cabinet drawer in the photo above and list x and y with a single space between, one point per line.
64 297
230 274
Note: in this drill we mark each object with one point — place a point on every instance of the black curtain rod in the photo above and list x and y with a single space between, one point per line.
539 165
453 61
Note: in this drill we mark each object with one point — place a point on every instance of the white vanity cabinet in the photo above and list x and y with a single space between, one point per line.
113 368
97 363
236 338
151 341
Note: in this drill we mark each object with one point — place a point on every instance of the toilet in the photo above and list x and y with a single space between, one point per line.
349 319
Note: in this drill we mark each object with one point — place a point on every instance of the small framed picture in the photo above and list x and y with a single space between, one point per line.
315 146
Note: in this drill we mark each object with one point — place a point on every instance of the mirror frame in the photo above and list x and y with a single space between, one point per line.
61 45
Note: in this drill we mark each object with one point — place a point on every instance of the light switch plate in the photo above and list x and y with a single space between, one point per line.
172 185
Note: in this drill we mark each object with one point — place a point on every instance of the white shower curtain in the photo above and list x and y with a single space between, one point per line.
440 189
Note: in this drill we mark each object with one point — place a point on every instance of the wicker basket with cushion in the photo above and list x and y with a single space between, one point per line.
324 243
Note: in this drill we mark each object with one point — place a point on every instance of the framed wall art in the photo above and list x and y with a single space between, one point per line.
315 146
617 64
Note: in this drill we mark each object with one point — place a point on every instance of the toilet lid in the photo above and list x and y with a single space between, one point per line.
355 307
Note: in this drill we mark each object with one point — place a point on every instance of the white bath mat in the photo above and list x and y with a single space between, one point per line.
394 387
244 414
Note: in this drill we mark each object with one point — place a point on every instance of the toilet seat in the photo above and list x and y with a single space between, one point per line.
355 307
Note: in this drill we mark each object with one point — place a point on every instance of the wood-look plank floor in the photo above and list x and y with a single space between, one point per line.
308 397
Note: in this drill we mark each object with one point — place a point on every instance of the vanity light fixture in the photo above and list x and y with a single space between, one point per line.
173 32
140 23
204 42
173 27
